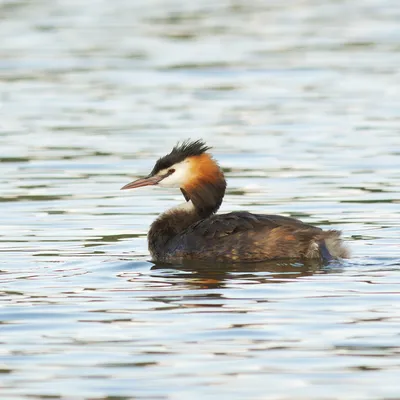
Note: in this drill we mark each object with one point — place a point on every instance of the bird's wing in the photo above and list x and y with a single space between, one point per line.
218 226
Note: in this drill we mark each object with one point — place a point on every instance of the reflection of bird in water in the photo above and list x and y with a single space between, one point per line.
210 274
192 231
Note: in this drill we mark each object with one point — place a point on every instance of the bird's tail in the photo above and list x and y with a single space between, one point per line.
328 246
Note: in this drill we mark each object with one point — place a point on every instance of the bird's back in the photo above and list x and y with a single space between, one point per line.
246 237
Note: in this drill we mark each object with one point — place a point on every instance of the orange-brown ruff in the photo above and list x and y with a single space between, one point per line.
193 232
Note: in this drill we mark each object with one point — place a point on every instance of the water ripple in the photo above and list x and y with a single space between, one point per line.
300 103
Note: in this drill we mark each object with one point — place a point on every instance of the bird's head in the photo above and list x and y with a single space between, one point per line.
189 167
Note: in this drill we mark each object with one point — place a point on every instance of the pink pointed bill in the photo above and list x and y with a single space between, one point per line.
151 180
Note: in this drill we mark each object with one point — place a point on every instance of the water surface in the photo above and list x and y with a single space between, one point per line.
300 102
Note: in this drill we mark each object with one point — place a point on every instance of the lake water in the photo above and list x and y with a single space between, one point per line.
300 101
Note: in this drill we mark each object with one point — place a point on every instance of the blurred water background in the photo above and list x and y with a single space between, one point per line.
300 100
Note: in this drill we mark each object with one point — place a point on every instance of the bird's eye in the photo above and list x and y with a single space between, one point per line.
171 171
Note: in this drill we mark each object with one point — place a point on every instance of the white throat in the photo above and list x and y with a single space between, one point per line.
187 206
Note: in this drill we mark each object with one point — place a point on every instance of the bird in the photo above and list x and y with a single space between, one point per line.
193 231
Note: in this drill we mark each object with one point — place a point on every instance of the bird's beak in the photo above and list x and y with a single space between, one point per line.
149 180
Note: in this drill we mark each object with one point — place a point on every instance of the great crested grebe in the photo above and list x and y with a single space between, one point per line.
192 231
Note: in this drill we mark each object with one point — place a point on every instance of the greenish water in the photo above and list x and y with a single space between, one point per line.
300 102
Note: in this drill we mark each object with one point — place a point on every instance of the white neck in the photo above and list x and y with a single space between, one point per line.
186 206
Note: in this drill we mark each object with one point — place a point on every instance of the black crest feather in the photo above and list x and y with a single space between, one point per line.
179 153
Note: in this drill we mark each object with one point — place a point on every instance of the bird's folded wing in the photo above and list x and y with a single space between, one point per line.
221 225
